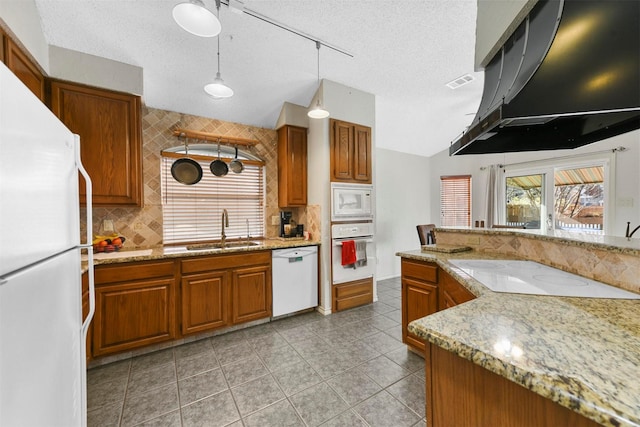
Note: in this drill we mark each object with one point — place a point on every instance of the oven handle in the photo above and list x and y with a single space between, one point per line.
338 242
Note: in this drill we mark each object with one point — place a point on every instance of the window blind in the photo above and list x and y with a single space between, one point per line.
193 213
455 200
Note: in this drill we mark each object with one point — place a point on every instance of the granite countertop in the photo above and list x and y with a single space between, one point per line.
583 353
168 252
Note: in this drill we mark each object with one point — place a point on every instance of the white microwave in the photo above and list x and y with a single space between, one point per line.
351 202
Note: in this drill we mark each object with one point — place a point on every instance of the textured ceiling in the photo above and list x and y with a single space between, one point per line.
404 53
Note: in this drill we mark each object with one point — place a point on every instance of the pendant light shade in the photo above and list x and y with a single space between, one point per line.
318 112
218 89
196 19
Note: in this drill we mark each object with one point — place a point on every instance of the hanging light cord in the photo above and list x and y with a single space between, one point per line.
318 48
218 8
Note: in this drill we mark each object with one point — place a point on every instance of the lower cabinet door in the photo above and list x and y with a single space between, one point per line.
205 301
251 293
419 299
133 314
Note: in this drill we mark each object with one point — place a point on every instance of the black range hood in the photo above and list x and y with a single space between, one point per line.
568 76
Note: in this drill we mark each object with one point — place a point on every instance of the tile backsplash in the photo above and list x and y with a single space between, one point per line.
143 226
617 269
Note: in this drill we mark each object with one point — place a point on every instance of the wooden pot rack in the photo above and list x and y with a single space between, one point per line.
222 139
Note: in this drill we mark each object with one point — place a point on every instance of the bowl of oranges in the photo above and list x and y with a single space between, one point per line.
110 243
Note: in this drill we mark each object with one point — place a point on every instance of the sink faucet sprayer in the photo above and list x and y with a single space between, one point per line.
627 234
225 223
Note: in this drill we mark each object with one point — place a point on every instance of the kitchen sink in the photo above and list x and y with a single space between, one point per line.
230 245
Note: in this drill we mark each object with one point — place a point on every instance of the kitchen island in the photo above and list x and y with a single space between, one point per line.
581 353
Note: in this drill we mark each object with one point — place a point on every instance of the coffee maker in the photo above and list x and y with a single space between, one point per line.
285 224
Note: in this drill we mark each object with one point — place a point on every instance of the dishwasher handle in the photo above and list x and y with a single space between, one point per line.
294 253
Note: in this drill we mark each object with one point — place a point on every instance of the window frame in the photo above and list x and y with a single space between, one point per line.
549 167
458 178
249 204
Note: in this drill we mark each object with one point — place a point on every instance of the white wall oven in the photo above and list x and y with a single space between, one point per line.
361 239
351 202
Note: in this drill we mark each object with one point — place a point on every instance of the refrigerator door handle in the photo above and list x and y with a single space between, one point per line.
87 245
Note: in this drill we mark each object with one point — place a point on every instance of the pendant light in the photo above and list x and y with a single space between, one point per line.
318 112
196 19
218 89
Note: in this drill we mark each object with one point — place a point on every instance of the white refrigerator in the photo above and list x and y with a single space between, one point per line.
42 333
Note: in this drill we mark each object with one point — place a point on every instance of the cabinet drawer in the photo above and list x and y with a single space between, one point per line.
132 271
355 288
355 301
223 262
427 272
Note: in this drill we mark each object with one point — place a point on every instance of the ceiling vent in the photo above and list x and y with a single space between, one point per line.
460 81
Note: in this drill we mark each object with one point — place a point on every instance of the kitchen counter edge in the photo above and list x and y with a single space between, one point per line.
581 353
169 252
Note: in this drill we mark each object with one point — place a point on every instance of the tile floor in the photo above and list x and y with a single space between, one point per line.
345 369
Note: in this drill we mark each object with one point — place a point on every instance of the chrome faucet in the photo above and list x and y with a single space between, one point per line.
225 223
627 234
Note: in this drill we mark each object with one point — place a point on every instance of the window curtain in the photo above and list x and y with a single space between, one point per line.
493 196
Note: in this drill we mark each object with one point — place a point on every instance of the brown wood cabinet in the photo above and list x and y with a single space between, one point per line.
292 166
205 301
419 296
461 393
135 306
22 66
144 303
251 296
351 294
451 293
109 125
426 289
350 159
224 290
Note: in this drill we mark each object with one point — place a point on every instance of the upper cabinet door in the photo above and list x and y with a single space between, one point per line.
362 154
350 152
110 139
22 67
292 166
342 151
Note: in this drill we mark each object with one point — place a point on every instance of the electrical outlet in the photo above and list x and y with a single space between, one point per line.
275 220
107 225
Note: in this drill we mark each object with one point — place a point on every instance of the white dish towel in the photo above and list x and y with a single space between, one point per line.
361 253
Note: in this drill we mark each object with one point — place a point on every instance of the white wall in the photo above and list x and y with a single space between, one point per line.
627 175
23 20
403 200
93 70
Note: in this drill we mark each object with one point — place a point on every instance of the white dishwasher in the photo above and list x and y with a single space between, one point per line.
295 279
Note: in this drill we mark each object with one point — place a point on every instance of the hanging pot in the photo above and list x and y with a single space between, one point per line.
236 165
219 167
185 170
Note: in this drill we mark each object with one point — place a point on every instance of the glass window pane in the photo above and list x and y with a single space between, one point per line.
579 199
455 201
524 200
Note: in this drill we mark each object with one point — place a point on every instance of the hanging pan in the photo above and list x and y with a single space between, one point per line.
185 170
219 167
236 165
